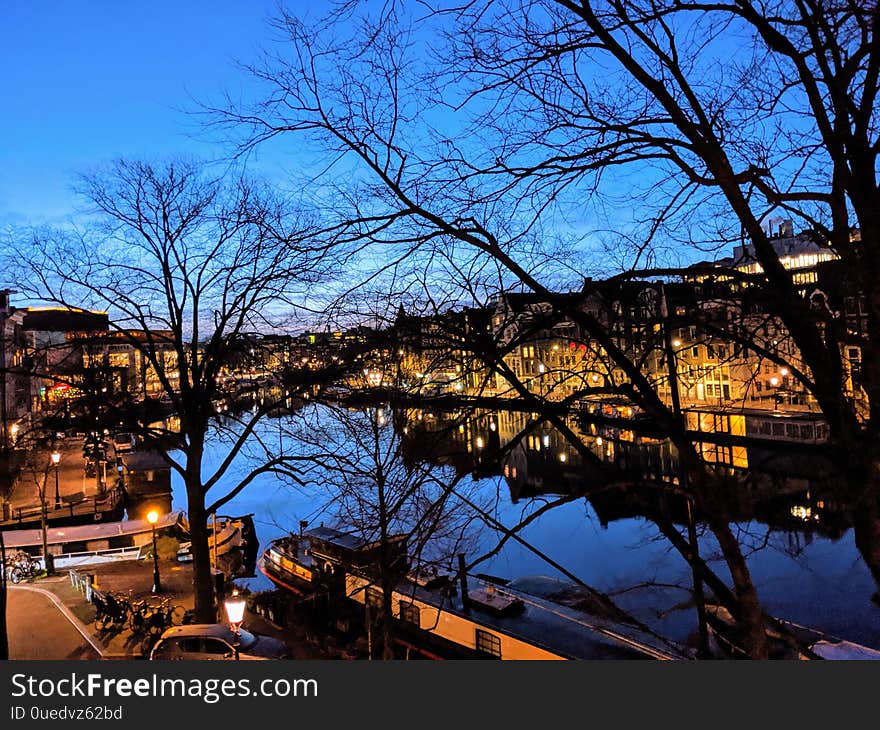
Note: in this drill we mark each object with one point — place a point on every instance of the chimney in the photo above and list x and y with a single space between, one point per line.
787 228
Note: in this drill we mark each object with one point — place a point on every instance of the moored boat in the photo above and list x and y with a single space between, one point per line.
97 543
318 557
225 534
785 640
502 622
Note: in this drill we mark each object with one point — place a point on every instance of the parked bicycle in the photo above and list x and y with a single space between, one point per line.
112 611
148 620
20 566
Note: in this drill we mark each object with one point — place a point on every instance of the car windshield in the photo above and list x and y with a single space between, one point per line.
246 639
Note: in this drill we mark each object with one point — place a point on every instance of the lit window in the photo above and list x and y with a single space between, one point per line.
409 613
488 645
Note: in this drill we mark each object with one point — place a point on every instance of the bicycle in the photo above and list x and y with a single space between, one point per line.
21 566
148 621
112 611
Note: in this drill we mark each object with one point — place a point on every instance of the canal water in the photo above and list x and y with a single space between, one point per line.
571 520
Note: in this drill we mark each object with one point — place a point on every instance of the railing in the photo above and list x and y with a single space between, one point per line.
98 505
83 582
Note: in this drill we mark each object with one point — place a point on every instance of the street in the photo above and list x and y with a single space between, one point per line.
38 629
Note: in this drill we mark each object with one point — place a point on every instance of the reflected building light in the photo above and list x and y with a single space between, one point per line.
541 368
546 439
461 428
479 442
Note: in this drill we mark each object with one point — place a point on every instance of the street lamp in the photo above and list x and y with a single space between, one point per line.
152 518
234 606
56 459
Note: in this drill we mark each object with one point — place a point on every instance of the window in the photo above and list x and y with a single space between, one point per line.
216 646
409 613
488 645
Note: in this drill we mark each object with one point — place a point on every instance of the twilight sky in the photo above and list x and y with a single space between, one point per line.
85 82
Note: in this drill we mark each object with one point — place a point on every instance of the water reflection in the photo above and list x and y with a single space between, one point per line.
606 505
787 498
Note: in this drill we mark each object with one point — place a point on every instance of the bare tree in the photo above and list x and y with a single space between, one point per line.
703 119
409 509
188 265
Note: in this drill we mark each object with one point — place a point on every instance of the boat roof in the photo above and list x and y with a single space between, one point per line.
334 537
144 461
79 533
844 650
558 628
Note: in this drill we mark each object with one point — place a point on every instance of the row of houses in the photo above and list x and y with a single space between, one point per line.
705 333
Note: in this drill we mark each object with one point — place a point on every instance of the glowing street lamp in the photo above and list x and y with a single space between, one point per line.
152 518
234 606
56 459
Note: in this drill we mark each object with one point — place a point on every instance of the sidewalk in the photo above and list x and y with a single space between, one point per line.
76 493
134 579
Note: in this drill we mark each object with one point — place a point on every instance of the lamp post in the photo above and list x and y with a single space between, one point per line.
56 459
234 606
152 518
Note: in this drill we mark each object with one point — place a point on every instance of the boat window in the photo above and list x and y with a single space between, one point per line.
487 644
409 613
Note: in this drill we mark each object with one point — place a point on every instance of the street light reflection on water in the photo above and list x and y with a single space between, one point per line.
805 567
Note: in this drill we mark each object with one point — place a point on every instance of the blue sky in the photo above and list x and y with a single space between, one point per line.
85 82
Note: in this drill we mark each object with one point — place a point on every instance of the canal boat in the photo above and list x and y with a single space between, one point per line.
491 621
103 542
318 557
81 545
225 534
786 640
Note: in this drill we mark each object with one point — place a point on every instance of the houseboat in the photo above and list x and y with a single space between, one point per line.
104 542
489 621
785 640
225 534
318 557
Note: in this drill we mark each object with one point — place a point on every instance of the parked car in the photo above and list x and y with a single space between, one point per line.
216 642
123 442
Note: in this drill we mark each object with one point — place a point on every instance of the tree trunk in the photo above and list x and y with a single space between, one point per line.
751 615
866 526
202 577
48 562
